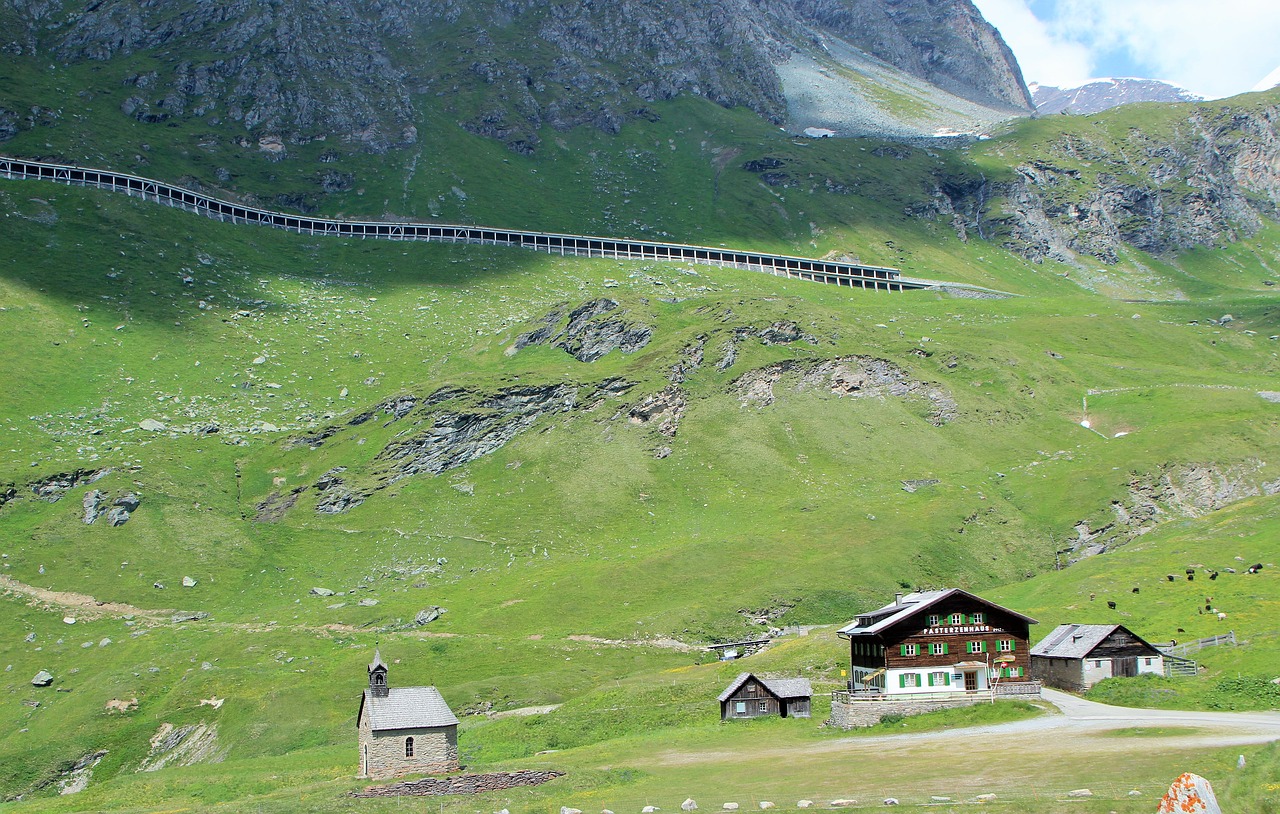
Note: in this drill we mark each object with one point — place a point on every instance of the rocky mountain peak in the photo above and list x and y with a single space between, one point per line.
370 72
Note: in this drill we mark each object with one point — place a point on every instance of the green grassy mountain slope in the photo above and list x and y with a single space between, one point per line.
415 426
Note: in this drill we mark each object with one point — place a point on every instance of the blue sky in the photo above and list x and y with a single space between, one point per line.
1212 47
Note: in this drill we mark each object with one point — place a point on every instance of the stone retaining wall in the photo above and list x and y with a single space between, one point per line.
868 713
460 784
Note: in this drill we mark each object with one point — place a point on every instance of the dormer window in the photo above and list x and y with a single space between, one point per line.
957 618
934 620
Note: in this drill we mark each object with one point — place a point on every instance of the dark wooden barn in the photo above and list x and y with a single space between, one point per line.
750 696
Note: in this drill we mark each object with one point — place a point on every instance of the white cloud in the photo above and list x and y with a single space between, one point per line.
1215 48
1044 55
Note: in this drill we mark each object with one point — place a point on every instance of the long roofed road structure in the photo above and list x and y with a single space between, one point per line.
831 272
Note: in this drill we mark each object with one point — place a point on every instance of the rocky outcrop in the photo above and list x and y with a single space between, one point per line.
1210 180
849 376
291 71
1188 490
454 438
588 334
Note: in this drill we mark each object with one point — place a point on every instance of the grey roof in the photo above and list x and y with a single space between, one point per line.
407 708
886 617
377 660
781 687
1077 641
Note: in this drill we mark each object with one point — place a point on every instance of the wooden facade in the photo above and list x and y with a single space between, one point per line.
937 642
1075 657
752 697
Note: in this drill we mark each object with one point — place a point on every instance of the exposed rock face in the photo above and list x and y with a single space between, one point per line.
293 70
857 376
457 438
1173 492
586 336
1211 181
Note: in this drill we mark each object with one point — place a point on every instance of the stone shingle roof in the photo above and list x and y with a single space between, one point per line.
407 708
1073 641
781 687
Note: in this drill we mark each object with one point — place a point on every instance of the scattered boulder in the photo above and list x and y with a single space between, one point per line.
367 603
151 425
1080 793
985 798
129 501
689 805
92 502
843 803
765 805
321 592
804 804
118 705
649 809
428 615
891 801
118 516
730 806
188 582
1135 793
31 637
42 679
1189 794
567 810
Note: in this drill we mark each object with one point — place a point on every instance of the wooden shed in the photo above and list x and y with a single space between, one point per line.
750 696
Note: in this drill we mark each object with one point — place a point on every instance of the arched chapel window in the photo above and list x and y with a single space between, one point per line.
408 747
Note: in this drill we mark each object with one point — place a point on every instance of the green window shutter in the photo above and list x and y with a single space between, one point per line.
1013 645
930 679
946 678
944 648
982 647
902 650
902 680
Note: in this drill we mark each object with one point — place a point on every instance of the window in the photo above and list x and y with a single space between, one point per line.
978 618
408 747
934 620
957 618
763 707
1146 662
1097 662
938 649
940 679
740 707
909 649
1006 645
975 647
909 680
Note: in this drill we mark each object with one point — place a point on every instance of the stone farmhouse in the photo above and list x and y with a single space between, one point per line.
404 730
1075 657
751 696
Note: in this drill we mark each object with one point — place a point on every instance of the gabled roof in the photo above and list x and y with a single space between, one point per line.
377 661
1078 641
900 610
781 688
407 708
